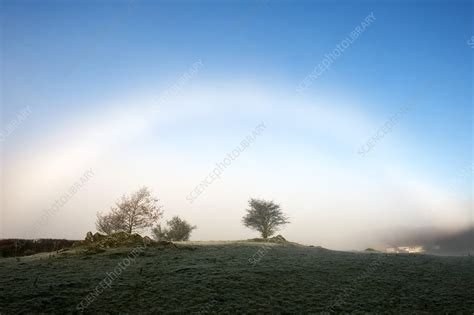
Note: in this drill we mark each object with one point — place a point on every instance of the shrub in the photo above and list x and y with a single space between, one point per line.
176 230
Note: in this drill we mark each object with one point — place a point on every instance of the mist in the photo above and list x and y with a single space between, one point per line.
335 197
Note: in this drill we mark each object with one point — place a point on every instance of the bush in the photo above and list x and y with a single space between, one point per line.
177 230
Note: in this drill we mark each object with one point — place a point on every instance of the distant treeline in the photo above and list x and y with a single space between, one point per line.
22 247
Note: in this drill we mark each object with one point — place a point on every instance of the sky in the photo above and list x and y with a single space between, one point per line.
110 96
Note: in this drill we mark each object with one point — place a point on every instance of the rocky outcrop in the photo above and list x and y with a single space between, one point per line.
120 239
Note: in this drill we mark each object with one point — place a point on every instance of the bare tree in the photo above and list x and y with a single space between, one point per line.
177 230
110 223
265 217
132 213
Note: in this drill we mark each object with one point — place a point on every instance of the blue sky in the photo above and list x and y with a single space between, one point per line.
77 64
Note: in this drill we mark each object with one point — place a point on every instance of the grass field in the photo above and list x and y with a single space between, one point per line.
229 277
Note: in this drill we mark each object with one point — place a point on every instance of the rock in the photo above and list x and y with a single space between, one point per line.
97 237
95 243
136 237
147 240
278 239
89 237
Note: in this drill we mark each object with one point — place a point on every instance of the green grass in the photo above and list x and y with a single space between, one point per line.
217 277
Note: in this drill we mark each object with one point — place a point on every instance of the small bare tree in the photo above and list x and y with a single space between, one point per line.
265 217
132 213
110 223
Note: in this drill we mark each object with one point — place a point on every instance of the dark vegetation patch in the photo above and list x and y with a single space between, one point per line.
92 244
22 247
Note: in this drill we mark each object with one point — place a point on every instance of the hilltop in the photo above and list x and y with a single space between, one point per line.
244 276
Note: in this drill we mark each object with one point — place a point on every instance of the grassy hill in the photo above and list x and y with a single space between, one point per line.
217 277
